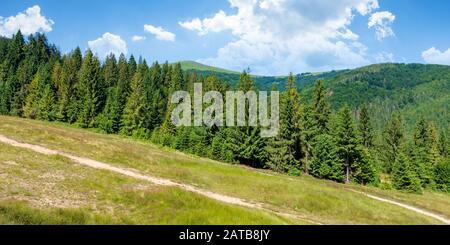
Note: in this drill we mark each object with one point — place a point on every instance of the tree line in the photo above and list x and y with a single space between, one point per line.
129 97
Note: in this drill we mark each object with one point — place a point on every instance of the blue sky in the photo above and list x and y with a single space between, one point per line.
272 37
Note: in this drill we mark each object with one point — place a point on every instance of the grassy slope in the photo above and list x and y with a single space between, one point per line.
192 65
318 200
40 189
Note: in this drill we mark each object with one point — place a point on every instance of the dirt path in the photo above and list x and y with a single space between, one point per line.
155 180
417 210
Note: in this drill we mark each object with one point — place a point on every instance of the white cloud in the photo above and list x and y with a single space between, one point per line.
384 57
136 38
279 36
107 44
382 22
435 56
193 25
160 33
28 22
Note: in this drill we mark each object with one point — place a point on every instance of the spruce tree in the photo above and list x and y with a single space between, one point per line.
393 137
30 109
135 119
36 90
68 90
247 138
326 163
285 151
4 88
46 104
365 127
444 144
110 119
16 50
347 141
110 72
321 108
404 176
442 175
425 152
91 89
157 97
364 167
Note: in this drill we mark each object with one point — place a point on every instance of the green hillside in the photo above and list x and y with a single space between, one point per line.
263 82
414 89
195 66
52 189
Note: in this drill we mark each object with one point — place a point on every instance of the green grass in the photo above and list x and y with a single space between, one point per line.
40 189
192 65
318 200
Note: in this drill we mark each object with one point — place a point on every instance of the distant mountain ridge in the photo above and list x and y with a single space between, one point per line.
416 90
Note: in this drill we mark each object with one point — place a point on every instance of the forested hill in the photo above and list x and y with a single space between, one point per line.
262 82
414 89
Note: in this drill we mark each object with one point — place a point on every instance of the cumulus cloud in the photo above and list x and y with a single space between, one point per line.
435 56
160 33
107 44
193 25
136 38
28 22
382 22
279 36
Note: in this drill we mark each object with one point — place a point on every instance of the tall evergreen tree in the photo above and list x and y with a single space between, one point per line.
321 107
326 163
365 127
347 141
425 152
46 104
92 90
285 150
110 72
135 119
442 175
16 50
68 90
444 144
110 119
393 137
404 176
36 90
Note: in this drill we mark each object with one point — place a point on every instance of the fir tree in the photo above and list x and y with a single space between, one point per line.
425 152
285 150
326 163
135 115
91 90
110 72
46 104
403 175
347 141
36 90
16 50
110 119
392 140
365 127
321 107
68 91
444 145
442 176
